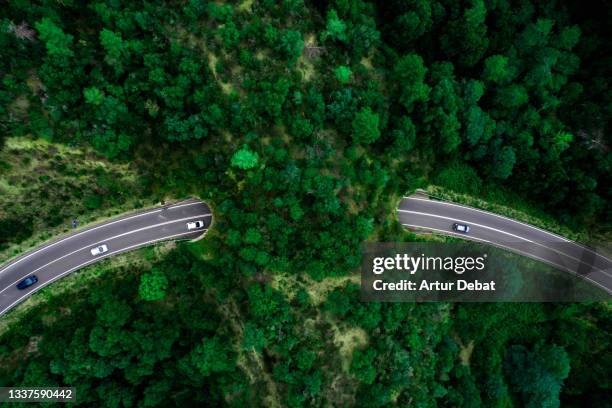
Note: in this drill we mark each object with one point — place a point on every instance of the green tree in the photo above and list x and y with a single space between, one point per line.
117 50
253 338
537 375
56 41
153 285
503 164
230 34
496 69
245 159
409 72
362 365
405 134
343 74
335 28
366 126
512 97
94 96
364 37
291 44
466 38
212 355
411 19
342 109
111 143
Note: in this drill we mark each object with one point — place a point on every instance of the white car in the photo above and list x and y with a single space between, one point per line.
195 225
461 228
99 250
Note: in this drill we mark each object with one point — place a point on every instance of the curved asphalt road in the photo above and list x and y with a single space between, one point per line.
422 213
58 258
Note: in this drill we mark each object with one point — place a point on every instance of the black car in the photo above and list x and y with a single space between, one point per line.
27 282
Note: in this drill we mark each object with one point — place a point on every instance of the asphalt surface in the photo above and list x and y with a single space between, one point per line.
70 253
420 212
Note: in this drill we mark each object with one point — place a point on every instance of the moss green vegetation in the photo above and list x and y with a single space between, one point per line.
302 123
44 186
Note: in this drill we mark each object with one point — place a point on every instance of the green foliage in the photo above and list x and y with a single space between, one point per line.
342 109
366 126
466 38
291 44
245 159
496 69
364 37
459 177
409 20
14 230
117 50
503 162
110 143
343 74
537 375
477 96
230 34
409 72
153 285
94 96
254 338
93 201
405 134
219 12
70 183
363 366
56 41
512 97
444 108
335 29
211 356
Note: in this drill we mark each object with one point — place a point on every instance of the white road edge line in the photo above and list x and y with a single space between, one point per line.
451 233
489 213
98 243
507 233
513 250
37 288
509 219
93 229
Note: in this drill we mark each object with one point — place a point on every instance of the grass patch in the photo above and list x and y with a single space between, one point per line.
466 353
43 186
246 6
347 341
318 291
304 64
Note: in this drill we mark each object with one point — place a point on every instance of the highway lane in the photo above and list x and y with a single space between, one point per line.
68 254
423 213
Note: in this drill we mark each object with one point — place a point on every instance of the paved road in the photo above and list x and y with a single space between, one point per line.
56 259
422 213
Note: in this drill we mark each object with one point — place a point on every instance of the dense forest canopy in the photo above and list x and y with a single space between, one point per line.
517 92
301 123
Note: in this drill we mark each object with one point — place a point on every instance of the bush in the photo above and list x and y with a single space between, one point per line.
459 177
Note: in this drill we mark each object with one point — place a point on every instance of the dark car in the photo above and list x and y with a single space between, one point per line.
461 228
27 282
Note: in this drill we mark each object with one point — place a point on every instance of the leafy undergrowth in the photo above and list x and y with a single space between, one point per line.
43 186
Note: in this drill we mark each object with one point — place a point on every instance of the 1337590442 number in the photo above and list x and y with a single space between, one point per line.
37 394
